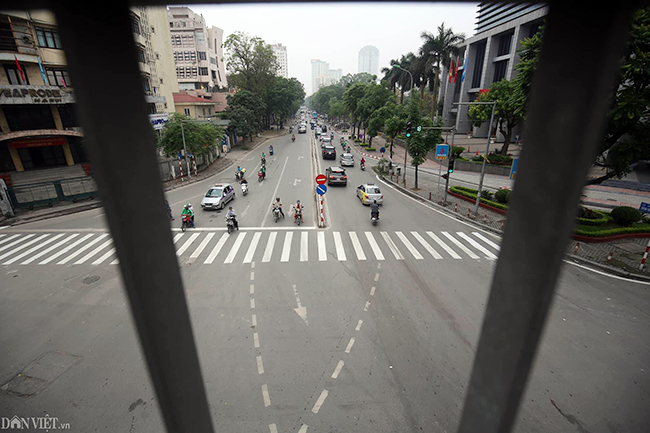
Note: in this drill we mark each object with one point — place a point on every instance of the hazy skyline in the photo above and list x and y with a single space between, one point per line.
335 32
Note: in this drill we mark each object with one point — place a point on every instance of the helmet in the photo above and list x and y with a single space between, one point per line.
375 201
230 208
298 202
187 206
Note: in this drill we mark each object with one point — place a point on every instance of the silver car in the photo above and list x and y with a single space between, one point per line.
218 196
368 193
347 160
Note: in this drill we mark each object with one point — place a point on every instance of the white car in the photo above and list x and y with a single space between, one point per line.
302 129
347 160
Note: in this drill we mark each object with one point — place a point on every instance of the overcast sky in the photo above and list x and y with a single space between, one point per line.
335 32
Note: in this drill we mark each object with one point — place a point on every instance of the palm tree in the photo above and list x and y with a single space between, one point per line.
438 50
404 79
422 73
391 75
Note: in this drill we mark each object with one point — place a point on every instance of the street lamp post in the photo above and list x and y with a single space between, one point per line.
187 162
406 147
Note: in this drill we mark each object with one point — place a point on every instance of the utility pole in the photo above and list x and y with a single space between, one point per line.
487 151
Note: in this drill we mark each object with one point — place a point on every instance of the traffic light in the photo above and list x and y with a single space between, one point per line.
419 128
408 129
445 176
450 168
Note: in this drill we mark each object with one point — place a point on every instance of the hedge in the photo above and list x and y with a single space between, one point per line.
356 140
370 149
604 219
471 193
641 228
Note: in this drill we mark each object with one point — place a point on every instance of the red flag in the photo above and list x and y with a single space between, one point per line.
22 76
451 70
456 73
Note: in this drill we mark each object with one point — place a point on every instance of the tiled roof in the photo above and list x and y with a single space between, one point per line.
180 98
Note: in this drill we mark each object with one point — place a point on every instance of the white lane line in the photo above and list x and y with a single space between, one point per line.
487 241
286 248
252 247
268 210
252 265
351 343
187 244
100 260
115 262
461 246
375 248
269 247
254 320
256 340
252 289
82 249
409 245
93 252
273 428
260 367
320 401
378 265
202 246
233 251
252 275
367 306
337 370
216 249
16 242
25 245
444 246
481 248
303 428
426 245
8 239
252 303
53 247
245 211
31 250
393 248
304 253
377 276
359 325
322 251
265 394
340 252
372 291
2 235
66 249
357 246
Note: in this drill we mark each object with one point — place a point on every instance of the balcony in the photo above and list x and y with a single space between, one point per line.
16 36
145 68
139 39
154 99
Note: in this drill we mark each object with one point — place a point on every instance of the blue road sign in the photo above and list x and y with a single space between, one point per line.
645 207
442 151
321 189
382 150
513 169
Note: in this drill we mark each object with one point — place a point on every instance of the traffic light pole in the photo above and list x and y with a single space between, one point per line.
453 134
487 150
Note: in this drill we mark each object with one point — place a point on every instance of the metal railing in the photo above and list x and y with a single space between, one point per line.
48 193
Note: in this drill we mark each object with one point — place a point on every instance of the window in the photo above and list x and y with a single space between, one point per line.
203 109
176 41
202 55
200 38
187 111
161 81
13 75
500 69
58 77
135 26
48 38
193 56
186 56
213 60
171 24
219 73
145 85
504 44
214 76
478 64
203 71
180 72
28 117
195 71
141 56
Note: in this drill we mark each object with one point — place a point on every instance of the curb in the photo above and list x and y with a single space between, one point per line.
54 214
599 266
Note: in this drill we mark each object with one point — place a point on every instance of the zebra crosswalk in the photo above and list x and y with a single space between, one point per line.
263 246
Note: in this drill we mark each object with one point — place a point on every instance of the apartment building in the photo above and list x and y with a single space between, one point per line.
280 52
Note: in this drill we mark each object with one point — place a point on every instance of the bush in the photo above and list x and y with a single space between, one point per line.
457 150
591 217
626 216
356 140
382 167
641 228
471 193
486 194
477 158
370 149
502 196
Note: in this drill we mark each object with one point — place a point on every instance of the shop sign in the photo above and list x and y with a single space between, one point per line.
158 120
38 142
31 95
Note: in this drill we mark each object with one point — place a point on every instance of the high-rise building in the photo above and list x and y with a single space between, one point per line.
369 60
280 52
322 75
195 51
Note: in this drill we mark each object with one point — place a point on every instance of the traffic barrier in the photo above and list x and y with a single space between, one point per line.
322 218
609 257
485 220
645 256
455 207
467 212
575 250
180 166
194 165
469 149
429 195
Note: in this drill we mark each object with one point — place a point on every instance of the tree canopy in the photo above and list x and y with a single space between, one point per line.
199 136
251 63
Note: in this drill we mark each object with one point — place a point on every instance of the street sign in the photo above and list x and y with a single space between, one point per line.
442 151
513 169
419 128
321 189
321 179
382 150
645 207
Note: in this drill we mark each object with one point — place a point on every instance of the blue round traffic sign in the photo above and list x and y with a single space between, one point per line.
382 150
321 189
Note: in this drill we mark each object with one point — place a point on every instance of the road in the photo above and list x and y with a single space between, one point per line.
351 328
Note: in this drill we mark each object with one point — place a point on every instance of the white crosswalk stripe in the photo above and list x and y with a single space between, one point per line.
481 248
8 239
460 245
409 246
98 248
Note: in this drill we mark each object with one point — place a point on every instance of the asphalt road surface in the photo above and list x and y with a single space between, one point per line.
351 328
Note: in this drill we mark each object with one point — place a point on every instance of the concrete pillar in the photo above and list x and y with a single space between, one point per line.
15 157
67 153
4 125
59 125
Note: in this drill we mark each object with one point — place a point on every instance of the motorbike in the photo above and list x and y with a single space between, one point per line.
260 176
270 151
186 222
263 161
239 175
244 188
374 219
276 214
230 224
297 217
293 138
363 166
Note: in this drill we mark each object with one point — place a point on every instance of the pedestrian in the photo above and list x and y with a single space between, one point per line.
169 210
225 150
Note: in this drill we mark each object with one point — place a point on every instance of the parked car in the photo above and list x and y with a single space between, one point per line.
347 160
329 152
369 192
336 176
218 196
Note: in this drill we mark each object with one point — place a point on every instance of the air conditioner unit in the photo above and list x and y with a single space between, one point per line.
27 39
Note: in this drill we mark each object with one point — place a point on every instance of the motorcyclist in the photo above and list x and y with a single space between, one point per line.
263 171
278 204
297 210
374 210
271 149
349 149
363 161
191 210
169 210
188 211
231 214
293 137
263 159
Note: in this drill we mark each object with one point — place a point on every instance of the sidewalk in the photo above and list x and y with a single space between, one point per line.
66 208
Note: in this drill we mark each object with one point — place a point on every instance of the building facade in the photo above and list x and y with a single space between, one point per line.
195 49
369 60
322 75
490 55
280 52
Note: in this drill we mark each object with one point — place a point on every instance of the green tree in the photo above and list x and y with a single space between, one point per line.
361 77
379 118
508 112
375 96
283 98
391 75
246 111
336 109
351 98
250 61
199 137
